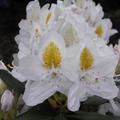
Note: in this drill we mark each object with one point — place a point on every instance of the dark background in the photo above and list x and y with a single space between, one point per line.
12 11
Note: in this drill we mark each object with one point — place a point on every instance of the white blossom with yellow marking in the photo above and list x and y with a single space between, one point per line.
96 65
103 29
36 24
49 71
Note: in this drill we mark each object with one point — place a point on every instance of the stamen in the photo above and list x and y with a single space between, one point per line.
48 17
10 66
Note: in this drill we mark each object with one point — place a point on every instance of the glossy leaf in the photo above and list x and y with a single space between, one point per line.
11 82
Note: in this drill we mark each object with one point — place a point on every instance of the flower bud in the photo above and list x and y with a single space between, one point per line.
7 101
3 87
2 66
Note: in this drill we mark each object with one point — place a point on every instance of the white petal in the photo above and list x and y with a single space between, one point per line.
37 92
25 25
7 101
33 10
63 85
113 31
107 25
18 76
69 70
30 67
70 34
52 37
106 66
76 94
15 59
96 13
105 88
23 50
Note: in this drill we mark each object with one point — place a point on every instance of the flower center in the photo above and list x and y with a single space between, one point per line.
51 56
99 31
86 60
48 17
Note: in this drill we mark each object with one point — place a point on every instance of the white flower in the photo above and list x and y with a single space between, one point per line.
95 13
63 48
89 10
7 101
103 29
30 30
96 65
74 28
47 72
37 23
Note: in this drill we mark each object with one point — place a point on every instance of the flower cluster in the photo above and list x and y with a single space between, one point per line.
63 48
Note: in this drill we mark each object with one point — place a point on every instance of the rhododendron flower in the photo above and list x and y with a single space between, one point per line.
96 65
63 48
47 72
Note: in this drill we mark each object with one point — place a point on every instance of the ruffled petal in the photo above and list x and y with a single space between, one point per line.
33 10
104 88
63 85
69 70
30 67
76 95
37 92
23 50
18 76
105 67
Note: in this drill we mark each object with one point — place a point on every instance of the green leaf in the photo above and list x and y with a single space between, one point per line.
61 116
37 115
90 116
33 115
94 101
11 82
39 112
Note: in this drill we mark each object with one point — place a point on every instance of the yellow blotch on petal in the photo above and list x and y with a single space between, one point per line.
99 31
51 56
48 17
86 60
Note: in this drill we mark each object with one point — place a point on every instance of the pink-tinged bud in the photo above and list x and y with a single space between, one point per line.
3 87
7 101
